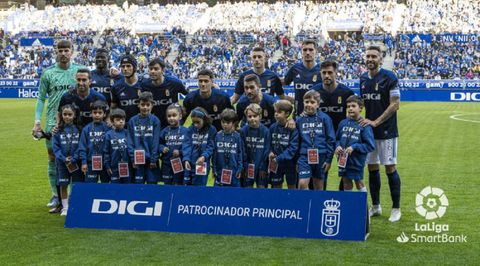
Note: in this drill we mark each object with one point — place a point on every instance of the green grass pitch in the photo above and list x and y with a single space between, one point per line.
434 150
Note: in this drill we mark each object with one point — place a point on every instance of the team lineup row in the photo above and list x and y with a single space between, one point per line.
378 89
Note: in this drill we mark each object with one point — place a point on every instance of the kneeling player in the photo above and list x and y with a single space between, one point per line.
353 145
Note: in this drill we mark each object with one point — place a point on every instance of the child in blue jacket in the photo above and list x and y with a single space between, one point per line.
91 145
65 147
317 142
256 138
227 161
354 142
143 139
198 148
115 151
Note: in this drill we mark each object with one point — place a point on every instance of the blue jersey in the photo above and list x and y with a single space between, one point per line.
172 138
350 133
334 103
284 143
144 134
214 105
92 141
65 143
376 92
269 80
316 132
303 80
164 95
199 143
116 148
103 83
125 96
257 146
228 154
268 112
84 105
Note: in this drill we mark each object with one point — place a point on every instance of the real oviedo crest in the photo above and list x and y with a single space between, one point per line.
330 218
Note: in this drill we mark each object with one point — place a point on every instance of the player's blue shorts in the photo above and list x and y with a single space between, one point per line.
350 174
306 170
168 177
64 176
286 170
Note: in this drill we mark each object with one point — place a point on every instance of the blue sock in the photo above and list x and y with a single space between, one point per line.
395 184
374 184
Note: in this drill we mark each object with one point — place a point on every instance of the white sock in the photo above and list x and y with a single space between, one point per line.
363 189
65 203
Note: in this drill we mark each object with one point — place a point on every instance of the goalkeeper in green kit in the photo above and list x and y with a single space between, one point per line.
54 82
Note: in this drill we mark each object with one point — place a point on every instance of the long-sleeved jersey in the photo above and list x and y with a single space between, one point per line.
351 133
316 132
92 141
198 143
173 138
144 134
115 149
257 146
228 153
283 143
65 143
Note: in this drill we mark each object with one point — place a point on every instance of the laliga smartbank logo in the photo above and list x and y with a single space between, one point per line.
431 203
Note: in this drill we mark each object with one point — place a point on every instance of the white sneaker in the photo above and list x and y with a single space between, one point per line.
395 215
375 210
64 212
54 202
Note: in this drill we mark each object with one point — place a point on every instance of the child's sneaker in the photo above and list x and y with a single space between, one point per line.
64 212
395 215
54 202
375 210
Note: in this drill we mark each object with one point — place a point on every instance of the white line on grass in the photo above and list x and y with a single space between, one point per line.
455 117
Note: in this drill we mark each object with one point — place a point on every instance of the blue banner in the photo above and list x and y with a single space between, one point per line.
37 41
211 210
458 38
414 38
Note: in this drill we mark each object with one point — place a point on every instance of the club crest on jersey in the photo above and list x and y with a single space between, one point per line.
215 108
269 83
314 78
339 100
112 82
167 93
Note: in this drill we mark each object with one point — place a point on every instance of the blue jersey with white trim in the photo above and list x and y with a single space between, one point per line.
303 80
376 92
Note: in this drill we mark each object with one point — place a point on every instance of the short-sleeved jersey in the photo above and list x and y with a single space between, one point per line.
54 82
268 112
334 103
270 82
103 83
376 92
214 105
125 96
84 105
164 95
303 80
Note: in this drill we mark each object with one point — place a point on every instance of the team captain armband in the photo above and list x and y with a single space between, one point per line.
395 92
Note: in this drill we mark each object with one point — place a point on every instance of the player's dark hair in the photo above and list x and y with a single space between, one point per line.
252 77
117 113
145 96
177 107
201 113
76 118
283 105
157 61
312 94
206 72
258 49
64 44
374 47
229 115
329 63
99 105
103 51
310 41
85 70
356 99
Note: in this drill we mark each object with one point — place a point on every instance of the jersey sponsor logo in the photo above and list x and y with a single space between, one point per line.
102 89
226 145
23 93
60 87
85 114
124 207
372 96
332 109
129 102
302 86
96 134
163 102
465 96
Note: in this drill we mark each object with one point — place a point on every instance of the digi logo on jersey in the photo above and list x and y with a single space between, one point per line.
163 102
332 109
102 89
465 96
301 86
371 96
123 207
129 102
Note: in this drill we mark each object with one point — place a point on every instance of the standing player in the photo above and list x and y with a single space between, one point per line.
54 82
270 82
102 80
254 95
125 92
334 97
211 99
379 89
165 89
305 74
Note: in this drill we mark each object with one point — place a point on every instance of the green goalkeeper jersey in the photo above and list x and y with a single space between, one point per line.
54 82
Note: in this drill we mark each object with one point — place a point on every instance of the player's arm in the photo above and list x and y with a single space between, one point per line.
391 110
239 89
40 104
